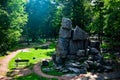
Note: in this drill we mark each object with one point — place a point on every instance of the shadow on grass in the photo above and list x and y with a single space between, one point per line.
25 73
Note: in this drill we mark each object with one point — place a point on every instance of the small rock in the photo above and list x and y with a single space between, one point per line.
65 70
58 67
45 63
94 51
83 71
108 68
81 53
73 65
69 75
76 70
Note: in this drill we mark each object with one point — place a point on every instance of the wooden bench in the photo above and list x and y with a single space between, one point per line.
21 60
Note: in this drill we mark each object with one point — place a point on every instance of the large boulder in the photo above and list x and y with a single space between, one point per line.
79 34
65 30
93 51
62 47
66 23
64 33
75 46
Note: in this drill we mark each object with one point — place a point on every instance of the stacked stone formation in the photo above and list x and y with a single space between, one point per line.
71 49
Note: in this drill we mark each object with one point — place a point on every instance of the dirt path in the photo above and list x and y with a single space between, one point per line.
37 70
4 62
88 76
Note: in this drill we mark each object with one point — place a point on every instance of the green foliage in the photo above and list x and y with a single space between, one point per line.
43 20
30 55
12 19
112 18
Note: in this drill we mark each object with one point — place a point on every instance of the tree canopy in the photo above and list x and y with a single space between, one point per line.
38 19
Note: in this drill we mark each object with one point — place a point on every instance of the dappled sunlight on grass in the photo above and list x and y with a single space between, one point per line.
32 55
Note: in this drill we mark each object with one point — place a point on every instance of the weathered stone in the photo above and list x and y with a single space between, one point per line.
81 53
72 49
66 23
83 71
94 51
65 30
76 70
79 34
91 58
95 44
58 67
54 57
108 68
45 63
58 60
62 47
64 33
73 65
98 57
69 75
85 65
65 70
75 46
71 57
90 63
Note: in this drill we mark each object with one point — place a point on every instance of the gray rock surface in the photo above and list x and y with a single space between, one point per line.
75 70
75 46
73 65
79 34
81 53
66 23
64 33
62 47
94 51
69 75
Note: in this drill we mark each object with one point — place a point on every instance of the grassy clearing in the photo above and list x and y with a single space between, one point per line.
32 55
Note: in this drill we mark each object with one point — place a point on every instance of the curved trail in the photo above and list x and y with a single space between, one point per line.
37 70
88 76
5 61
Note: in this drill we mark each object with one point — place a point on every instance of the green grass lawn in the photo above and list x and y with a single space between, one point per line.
32 55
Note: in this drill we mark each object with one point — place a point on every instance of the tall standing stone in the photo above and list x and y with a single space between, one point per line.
64 39
65 30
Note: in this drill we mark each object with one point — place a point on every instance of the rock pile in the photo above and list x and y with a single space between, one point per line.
73 53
